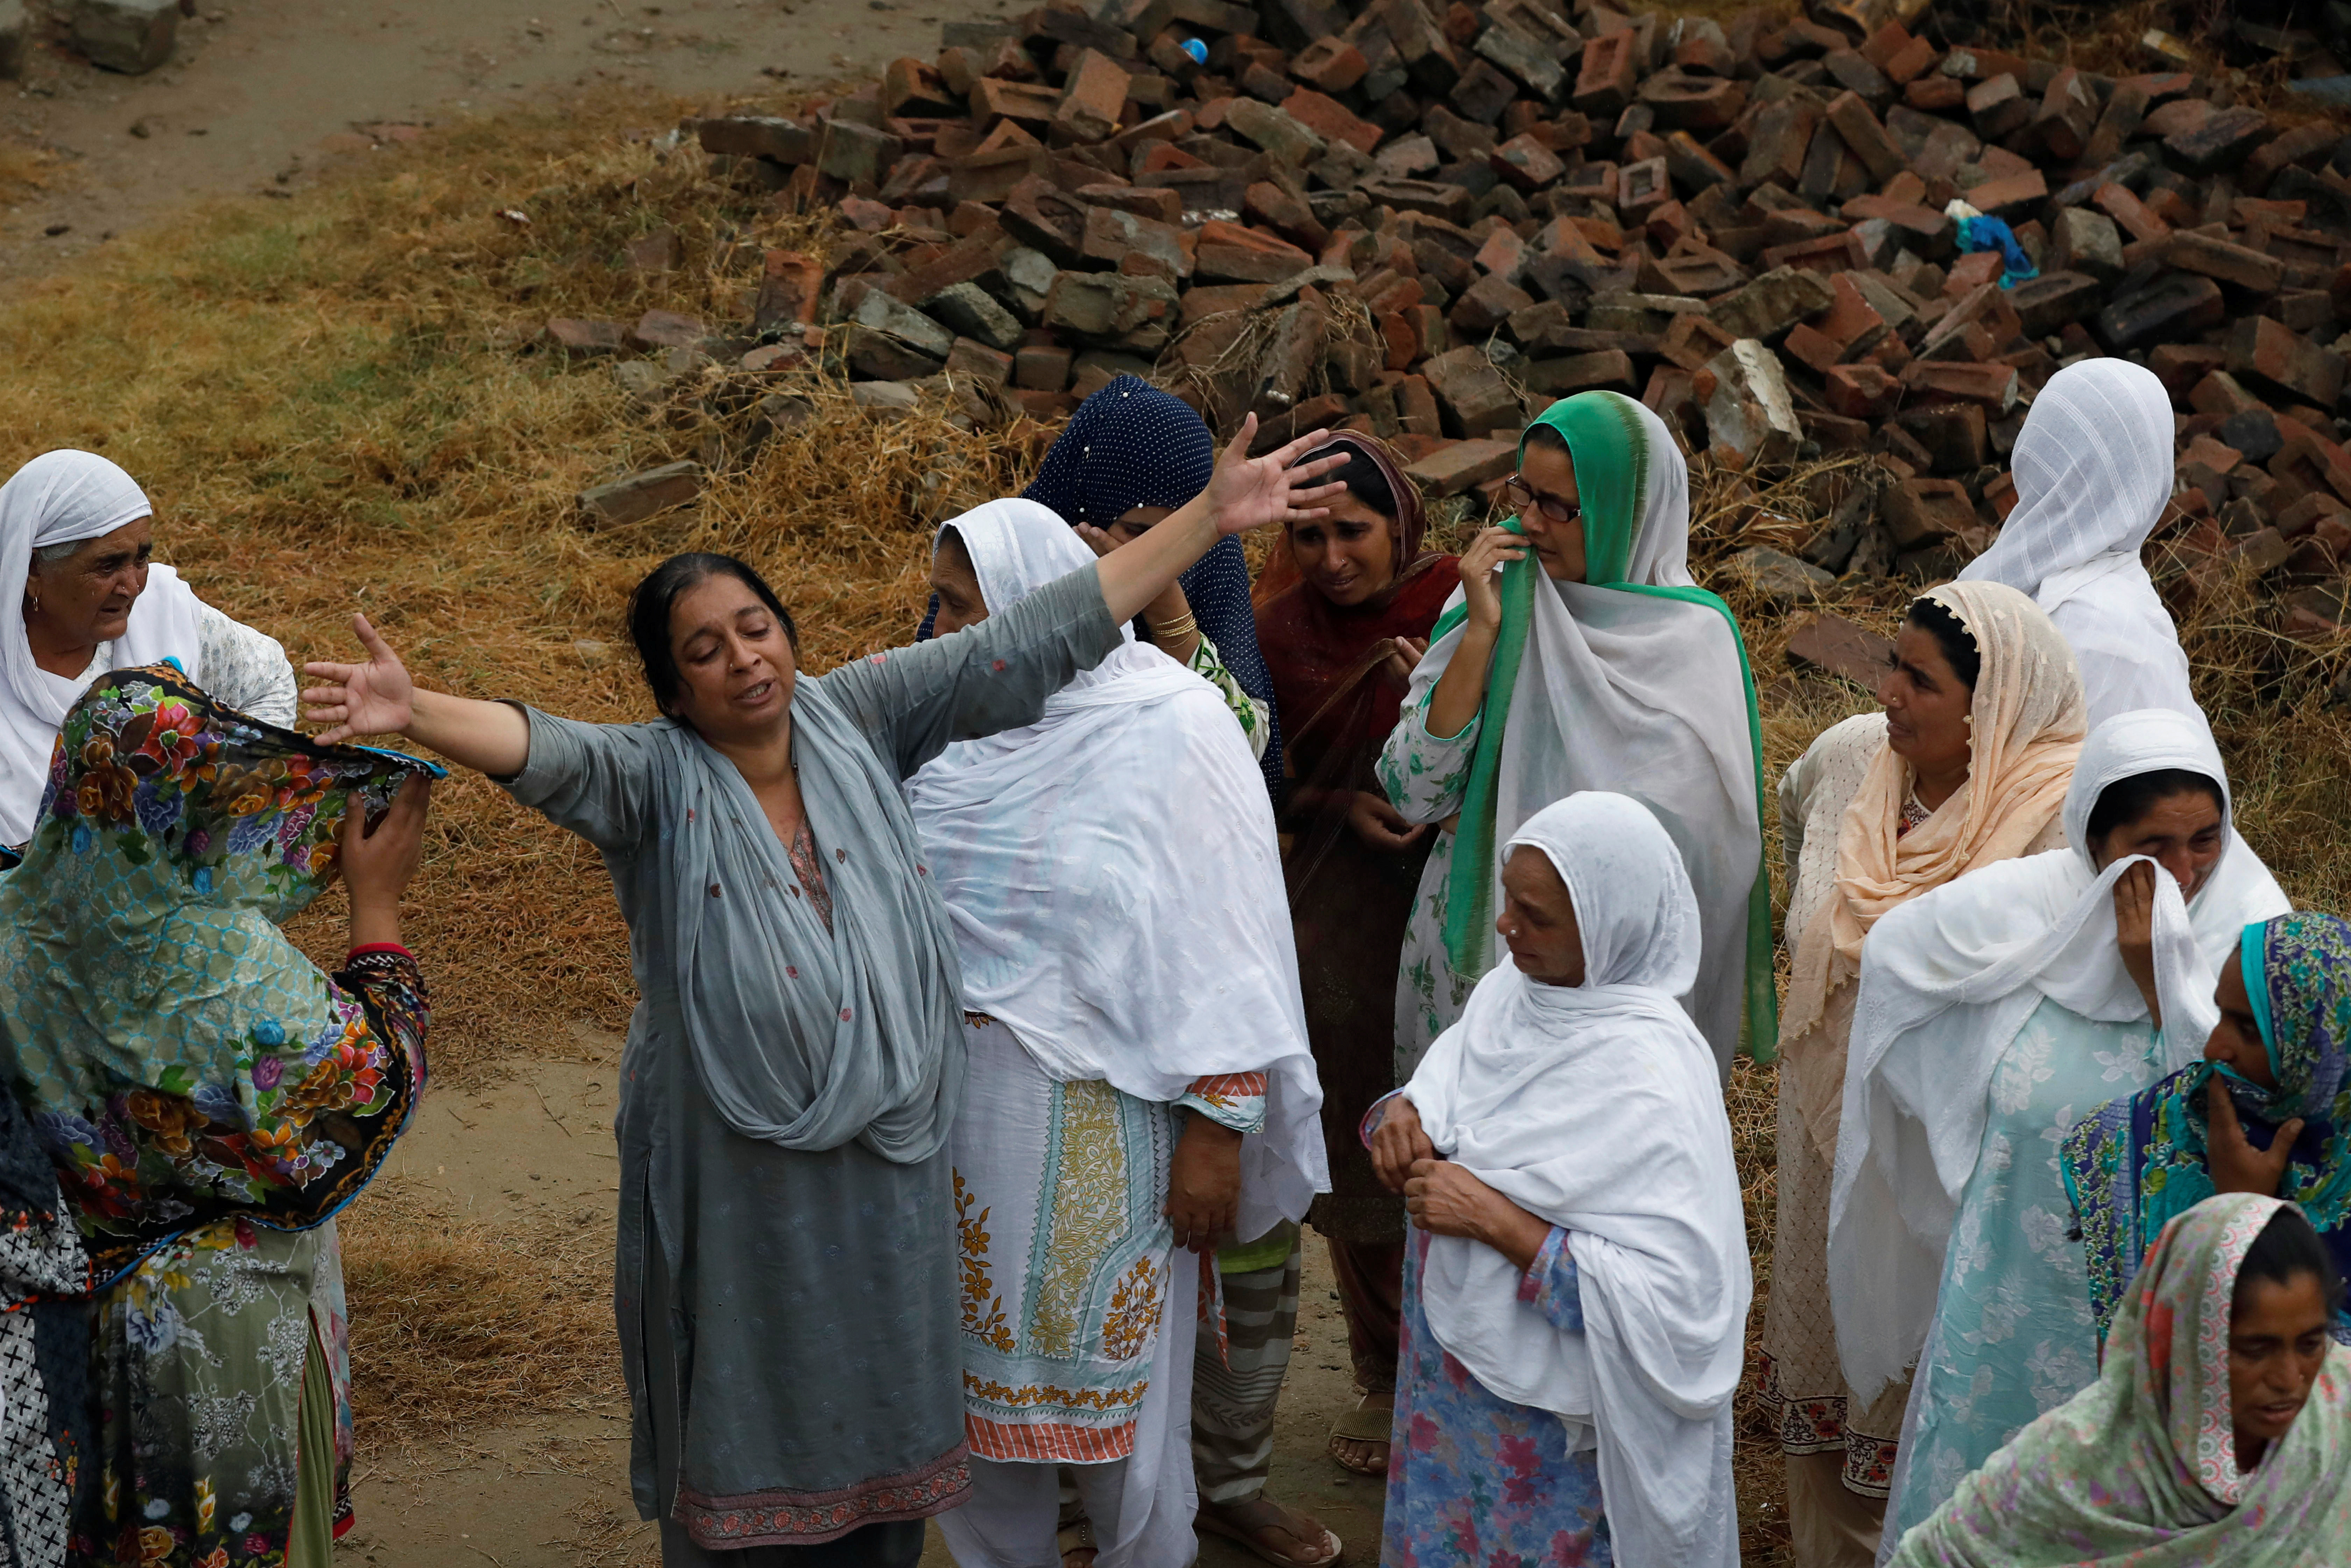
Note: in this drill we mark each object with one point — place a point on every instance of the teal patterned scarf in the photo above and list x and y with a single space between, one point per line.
2135 1164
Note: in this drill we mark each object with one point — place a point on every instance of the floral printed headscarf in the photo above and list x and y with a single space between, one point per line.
2136 1164
2140 1468
182 1059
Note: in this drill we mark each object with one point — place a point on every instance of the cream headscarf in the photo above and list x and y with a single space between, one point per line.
2027 719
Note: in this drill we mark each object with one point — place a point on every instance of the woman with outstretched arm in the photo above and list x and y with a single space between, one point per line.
786 1286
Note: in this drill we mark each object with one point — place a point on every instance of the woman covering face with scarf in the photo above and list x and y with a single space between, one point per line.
1581 657
2268 1109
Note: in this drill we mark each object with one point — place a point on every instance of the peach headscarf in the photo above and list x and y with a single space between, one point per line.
2028 719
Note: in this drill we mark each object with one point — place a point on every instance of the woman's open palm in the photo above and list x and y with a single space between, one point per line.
1249 492
374 698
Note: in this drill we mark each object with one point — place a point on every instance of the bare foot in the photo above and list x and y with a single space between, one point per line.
1279 1535
1075 1542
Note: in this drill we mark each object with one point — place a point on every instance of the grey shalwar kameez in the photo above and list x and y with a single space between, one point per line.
786 1285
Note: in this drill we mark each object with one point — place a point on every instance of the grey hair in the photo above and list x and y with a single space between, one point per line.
45 554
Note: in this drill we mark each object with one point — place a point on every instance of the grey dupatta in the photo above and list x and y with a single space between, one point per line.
807 1039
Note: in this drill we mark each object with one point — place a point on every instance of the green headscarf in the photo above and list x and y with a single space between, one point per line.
1610 446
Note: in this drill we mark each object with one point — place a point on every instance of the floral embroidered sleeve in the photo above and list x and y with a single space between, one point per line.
1235 1100
1247 712
1425 775
1550 1284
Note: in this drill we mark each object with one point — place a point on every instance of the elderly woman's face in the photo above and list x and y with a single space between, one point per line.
735 665
85 599
2277 1342
1538 920
961 604
1348 554
1926 704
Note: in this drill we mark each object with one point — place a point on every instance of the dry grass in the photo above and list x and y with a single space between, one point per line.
328 401
474 1335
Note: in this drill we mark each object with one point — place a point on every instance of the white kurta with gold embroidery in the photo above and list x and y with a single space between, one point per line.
1068 1263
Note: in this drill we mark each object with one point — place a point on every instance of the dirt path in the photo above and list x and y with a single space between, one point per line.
262 91
534 1153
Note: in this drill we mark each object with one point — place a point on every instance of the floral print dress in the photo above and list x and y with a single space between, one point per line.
208 1100
1472 1478
2013 1336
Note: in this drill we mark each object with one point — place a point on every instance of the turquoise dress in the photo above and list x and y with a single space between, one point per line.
2013 1336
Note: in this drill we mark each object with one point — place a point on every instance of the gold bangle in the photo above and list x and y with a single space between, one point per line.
1176 630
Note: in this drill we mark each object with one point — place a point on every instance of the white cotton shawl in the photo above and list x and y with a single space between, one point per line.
64 497
1596 1108
1946 981
2094 472
1646 696
1114 882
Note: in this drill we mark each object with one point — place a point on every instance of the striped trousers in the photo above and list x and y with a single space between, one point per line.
1233 1399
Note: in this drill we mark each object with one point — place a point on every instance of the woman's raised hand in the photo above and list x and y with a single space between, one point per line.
1405 654
2135 932
1248 492
2234 1164
374 698
1492 549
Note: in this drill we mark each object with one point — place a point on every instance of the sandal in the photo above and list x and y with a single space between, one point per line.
1076 1543
1366 1423
1262 1527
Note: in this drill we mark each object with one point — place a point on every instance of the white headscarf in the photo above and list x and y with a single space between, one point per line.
1114 882
1647 696
1946 981
1596 1107
65 498
2092 469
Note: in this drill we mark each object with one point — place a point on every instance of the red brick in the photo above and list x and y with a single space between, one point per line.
1861 131
1330 120
1811 348
1683 103
1863 391
1526 163
1503 255
2010 197
2130 213
1851 322
910 89
1462 466
993 100
1993 385
1285 214
1922 512
1094 98
1329 65
2267 349
1936 94
589 338
791 282
1913 60
1840 647
1605 82
2192 251
1692 340
2221 396
1998 107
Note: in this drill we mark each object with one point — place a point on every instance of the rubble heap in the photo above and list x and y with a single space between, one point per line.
1431 220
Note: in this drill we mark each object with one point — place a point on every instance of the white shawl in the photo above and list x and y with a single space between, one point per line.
1596 1107
64 497
1946 981
1113 880
1646 696
2092 469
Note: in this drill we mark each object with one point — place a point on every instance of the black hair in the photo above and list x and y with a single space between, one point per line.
1365 482
2287 1249
1547 436
652 600
1951 635
2129 800
958 553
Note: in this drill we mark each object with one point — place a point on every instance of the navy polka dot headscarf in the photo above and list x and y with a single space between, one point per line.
1130 446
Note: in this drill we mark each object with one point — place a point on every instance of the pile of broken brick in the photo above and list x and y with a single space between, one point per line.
1431 220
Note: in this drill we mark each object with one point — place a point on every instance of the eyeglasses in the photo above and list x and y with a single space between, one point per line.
1522 496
